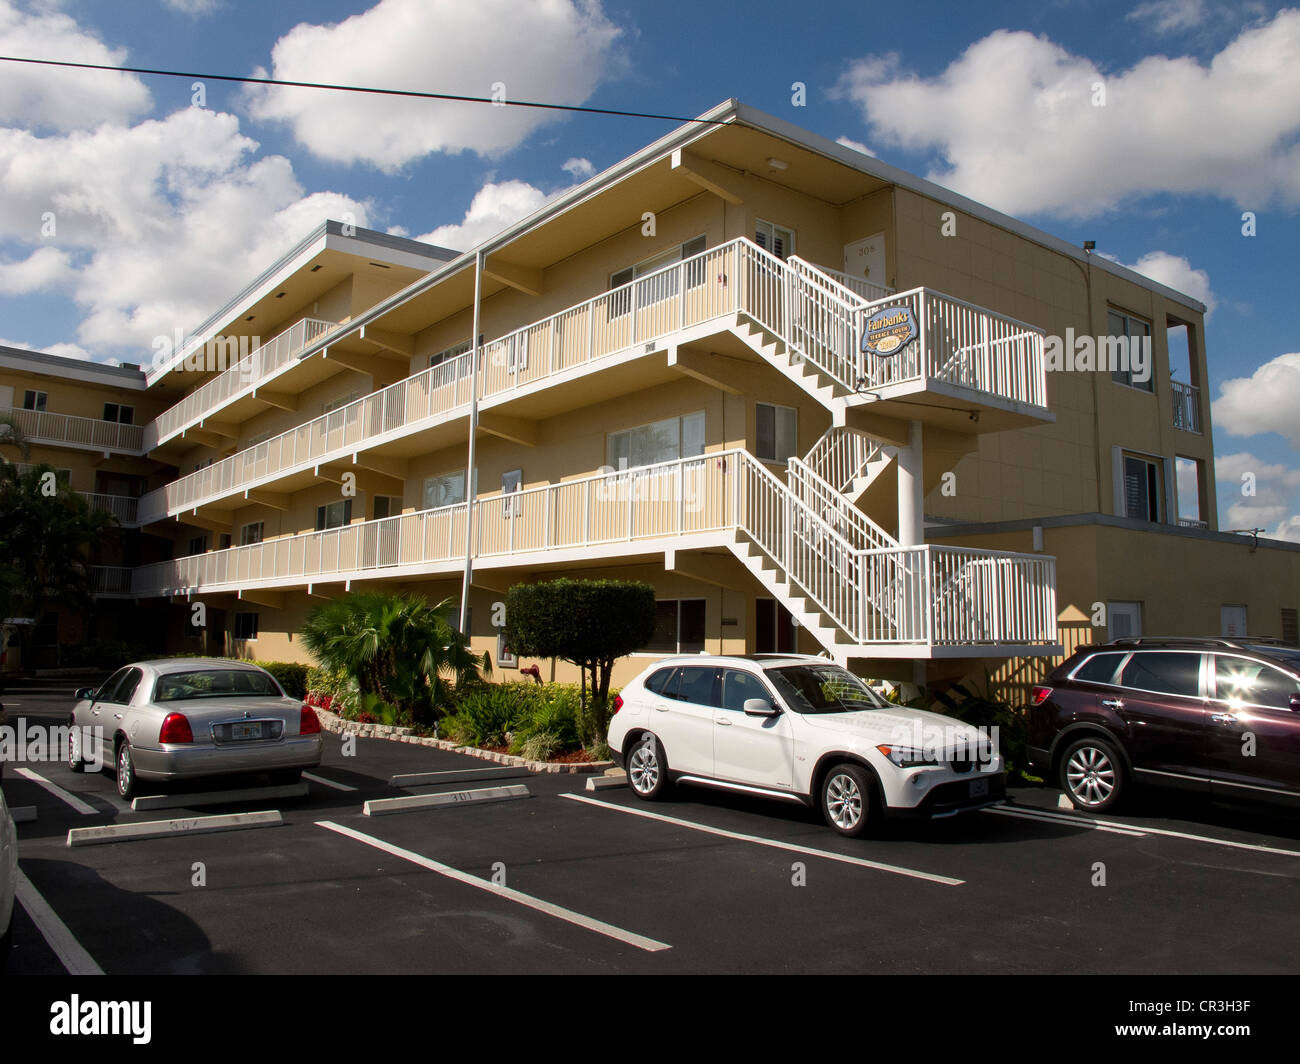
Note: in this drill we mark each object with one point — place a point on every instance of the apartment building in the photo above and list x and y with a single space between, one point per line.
817 402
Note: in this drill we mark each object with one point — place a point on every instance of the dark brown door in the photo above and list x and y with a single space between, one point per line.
1161 703
1254 733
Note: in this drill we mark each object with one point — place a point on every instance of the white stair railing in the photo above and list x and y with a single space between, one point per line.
842 455
837 511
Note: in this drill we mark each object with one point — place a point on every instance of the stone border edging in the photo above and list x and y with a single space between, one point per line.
332 722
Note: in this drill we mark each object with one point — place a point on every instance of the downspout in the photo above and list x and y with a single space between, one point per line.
470 479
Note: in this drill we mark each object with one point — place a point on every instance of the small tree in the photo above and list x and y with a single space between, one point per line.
589 623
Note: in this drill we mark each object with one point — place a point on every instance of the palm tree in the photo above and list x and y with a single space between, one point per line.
11 435
394 646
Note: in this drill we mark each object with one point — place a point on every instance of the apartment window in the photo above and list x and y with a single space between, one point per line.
1232 621
659 441
776 432
775 631
334 515
245 626
35 400
451 352
123 415
1124 619
453 619
511 484
1143 491
387 506
198 545
250 534
223 541
1188 483
773 238
260 438
445 490
662 287
1137 334
679 627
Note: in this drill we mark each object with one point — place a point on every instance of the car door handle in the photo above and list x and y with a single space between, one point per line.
1113 703
722 720
661 709
118 715
1223 718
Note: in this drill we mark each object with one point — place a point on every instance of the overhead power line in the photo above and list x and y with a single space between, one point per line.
370 90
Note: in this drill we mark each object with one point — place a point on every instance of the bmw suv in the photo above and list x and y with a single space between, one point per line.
798 729
1216 716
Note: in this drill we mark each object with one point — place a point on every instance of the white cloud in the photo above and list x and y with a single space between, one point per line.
1013 122
1266 401
193 7
1275 505
856 145
44 269
558 51
579 169
1170 16
495 206
163 220
1177 273
51 97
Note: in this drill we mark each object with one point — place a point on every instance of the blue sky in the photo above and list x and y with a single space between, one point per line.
162 210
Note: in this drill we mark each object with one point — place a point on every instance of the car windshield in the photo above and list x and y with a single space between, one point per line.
823 689
214 683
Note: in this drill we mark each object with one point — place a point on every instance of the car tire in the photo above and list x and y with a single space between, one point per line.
76 763
846 799
1092 775
126 778
647 769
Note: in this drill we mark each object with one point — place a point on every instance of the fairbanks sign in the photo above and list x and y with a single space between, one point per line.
889 330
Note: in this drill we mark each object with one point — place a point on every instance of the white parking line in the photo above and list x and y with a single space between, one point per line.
327 783
81 807
1047 818
1110 825
793 847
559 912
72 955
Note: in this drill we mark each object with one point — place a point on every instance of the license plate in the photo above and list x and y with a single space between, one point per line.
245 731
979 788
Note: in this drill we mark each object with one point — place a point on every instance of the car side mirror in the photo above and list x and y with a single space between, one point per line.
760 707
1295 703
84 692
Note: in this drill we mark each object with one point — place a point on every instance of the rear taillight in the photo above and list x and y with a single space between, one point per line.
308 723
1038 695
175 729
618 703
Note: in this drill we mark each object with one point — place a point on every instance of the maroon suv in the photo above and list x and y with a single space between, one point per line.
1218 716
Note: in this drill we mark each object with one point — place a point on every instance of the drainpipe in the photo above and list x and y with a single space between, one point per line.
470 479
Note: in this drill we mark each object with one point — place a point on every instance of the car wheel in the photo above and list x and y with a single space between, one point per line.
647 769
125 771
76 763
1092 775
846 799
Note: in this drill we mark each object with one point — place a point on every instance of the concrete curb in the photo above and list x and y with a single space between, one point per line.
332 722
385 806
159 829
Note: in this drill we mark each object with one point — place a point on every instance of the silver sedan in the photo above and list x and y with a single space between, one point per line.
184 718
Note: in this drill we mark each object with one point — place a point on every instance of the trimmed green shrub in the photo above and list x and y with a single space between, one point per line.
291 675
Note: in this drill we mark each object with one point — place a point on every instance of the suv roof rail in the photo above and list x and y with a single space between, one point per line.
1237 642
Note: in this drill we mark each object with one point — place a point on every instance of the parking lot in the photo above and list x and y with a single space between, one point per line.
576 881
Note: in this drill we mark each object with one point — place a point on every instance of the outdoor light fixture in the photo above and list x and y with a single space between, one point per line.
1090 245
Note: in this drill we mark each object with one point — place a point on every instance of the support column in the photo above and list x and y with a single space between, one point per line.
911 489
470 479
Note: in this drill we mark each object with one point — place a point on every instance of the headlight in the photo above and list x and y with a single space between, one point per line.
907 757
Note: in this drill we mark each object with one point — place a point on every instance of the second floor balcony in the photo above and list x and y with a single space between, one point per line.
1187 406
83 433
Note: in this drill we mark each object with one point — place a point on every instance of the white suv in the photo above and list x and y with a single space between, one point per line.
801 729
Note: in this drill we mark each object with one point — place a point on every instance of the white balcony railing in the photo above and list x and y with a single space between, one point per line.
110 580
245 373
867 291
917 595
42 426
958 343
122 507
1187 406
